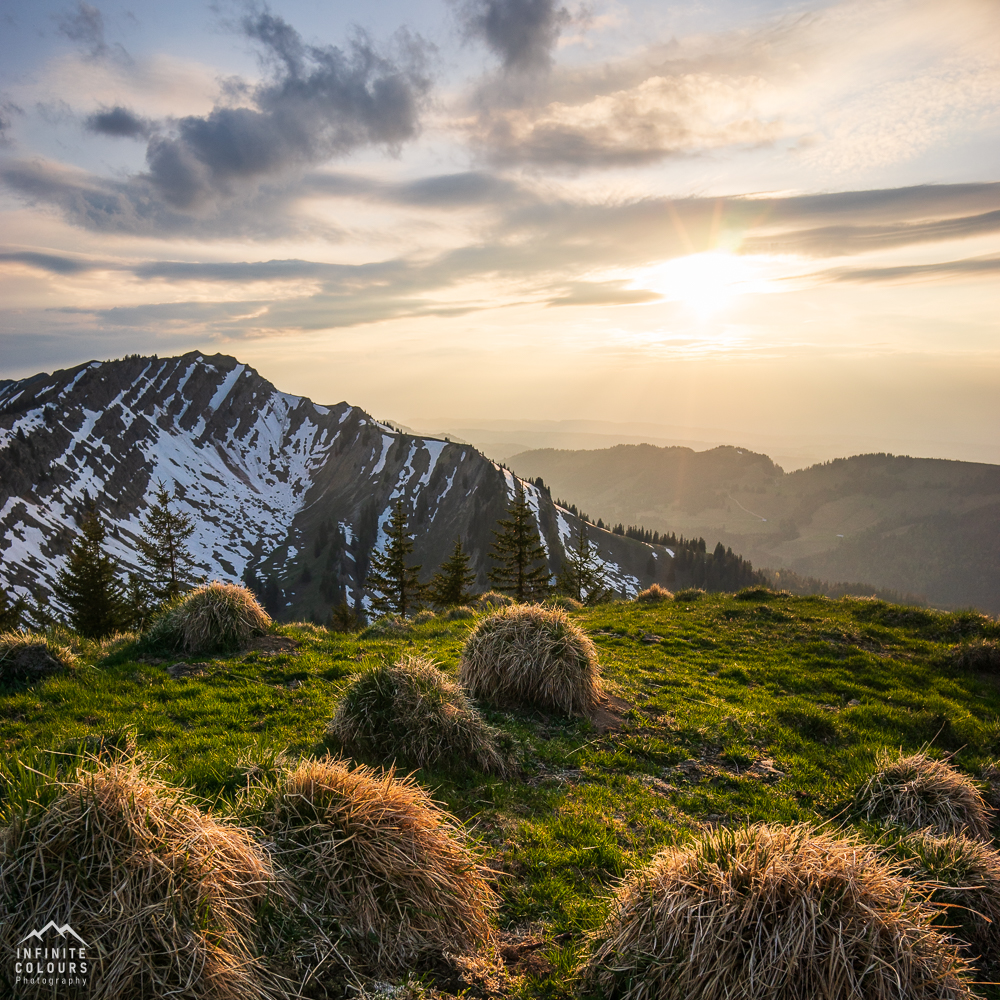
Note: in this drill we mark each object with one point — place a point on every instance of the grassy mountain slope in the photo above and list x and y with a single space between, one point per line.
923 526
737 711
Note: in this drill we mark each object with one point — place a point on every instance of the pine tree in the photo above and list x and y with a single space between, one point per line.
450 586
393 585
137 603
162 550
12 613
89 586
582 575
522 568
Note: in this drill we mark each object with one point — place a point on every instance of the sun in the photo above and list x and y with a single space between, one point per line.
705 282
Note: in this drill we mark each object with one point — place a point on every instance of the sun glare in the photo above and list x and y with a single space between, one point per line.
705 282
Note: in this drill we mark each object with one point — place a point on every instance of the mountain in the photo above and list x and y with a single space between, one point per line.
285 494
916 525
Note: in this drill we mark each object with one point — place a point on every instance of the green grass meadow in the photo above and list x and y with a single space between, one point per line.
734 711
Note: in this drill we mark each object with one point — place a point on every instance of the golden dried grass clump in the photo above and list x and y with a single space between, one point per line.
30 655
920 793
492 600
214 617
372 854
535 656
411 710
964 875
653 594
164 894
773 913
460 613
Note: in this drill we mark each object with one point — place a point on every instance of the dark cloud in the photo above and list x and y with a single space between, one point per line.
968 267
461 190
232 171
321 102
53 263
136 206
85 26
522 33
7 111
119 122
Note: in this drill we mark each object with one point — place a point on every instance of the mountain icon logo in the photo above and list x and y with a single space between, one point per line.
62 930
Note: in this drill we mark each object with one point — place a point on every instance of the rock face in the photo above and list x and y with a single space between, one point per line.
284 493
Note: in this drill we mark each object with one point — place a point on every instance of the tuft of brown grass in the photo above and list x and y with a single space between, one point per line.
534 656
773 913
377 861
388 626
689 594
964 875
919 792
164 895
411 710
423 616
461 613
492 600
31 655
211 618
563 601
653 594
981 654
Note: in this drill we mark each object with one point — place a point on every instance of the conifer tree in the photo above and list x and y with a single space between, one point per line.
450 586
393 585
522 568
163 550
12 613
89 586
582 575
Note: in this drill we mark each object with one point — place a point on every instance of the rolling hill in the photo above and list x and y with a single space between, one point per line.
916 525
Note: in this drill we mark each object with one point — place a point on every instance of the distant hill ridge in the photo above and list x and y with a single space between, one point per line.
914 525
284 493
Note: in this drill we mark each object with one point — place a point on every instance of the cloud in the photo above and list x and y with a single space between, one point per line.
968 267
522 33
232 171
136 206
85 26
118 122
603 293
53 263
321 102
855 85
446 191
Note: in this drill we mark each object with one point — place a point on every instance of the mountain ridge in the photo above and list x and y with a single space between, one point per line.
285 494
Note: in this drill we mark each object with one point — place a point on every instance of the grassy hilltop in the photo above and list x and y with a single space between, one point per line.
727 710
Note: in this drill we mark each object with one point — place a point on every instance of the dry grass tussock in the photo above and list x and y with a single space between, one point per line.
535 656
982 654
423 616
413 711
460 613
492 600
563 601
653 594
388 626
920 793
775 913
165 893
964 874
381 866
211 618
689 594
28 655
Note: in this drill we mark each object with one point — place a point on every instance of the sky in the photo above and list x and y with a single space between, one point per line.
773 219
